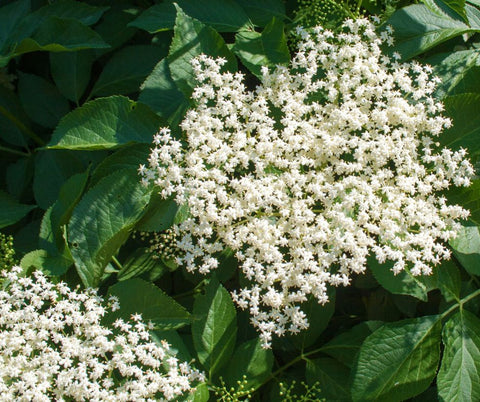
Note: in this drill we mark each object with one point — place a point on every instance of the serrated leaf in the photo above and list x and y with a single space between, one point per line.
345 346
459 375
331 377
11 211
404 283
126 70
52 169
191 39
398 361
71 72
449 280
251 361
222 15
318 317
453 8
418 29
160 92
466 248
102 221
214 327
261 12
49 265
137 296
465 131
269 48
106 123
42 101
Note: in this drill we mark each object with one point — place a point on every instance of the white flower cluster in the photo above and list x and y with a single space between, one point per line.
326 162
53 347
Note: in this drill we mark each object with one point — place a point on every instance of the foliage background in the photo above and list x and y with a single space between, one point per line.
83 88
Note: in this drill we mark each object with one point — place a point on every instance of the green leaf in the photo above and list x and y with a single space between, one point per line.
459 375
41 100
458 71
266 49
453 8
449 280
468 198
331 377
106 123
249 360
127 69
160 92
214 327
201 394
222 15
19 177
140 262
404 283
49 265
102 221
318 317
345 346
11 211
418 29
71 72
191 39
261 12
159 216
10 16
12 117
398 361
52 169
60 35
465 131
80 11
137 296
466 248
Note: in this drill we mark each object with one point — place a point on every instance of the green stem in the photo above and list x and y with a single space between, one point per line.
117 263
13 151
22 126
460 303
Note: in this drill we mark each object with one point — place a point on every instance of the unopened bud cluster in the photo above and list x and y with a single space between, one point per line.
328 161
54 347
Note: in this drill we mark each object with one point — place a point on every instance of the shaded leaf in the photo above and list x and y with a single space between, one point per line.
466 248
11 211
106 123
261 12
449 280
102 221
331 377
398 361
137 296
140 262
459 375
49 265
12 117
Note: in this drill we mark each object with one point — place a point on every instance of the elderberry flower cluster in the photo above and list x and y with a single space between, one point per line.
54 347
328 161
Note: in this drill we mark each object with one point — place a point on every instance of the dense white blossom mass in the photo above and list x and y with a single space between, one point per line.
54 347
328 161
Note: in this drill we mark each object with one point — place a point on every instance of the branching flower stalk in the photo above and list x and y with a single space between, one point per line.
53 346
328 161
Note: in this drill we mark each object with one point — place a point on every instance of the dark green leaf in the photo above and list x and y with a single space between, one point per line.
127 69
214 327
106 123
137 296
466 247
453 8
71 72
266 49
261 12
11 211
459 375
52 169
19 176
160 92
159 216
12 118
465 131
449 280
102 221
249 360
80 11
468 198
331 377
41 100
404 283
418 29
49 265
222 15
140 262
318 317
191 39
398 361
10 17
